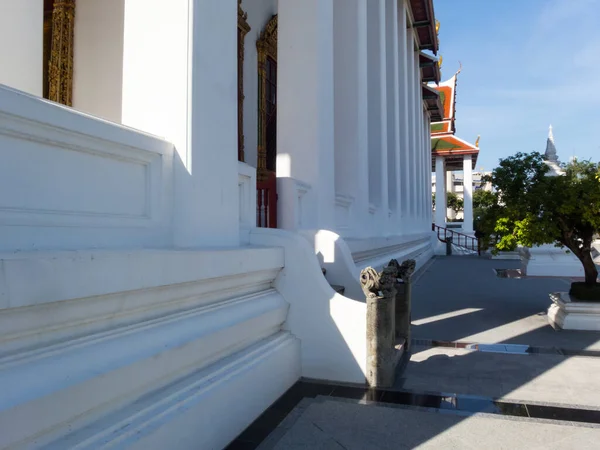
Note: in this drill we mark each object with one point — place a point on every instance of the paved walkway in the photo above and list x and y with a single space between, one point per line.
495 394
349 426
460 298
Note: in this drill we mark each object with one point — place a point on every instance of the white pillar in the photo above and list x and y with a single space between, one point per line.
305 112
98 58
393 113
351 113
440 191
428 170
22 45
468 193
181 83
417 148
377 104
404 98
412 127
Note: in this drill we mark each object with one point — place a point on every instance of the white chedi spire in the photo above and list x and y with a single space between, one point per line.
550 154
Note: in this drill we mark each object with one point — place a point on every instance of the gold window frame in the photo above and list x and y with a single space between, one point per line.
243 30
60 65
266 47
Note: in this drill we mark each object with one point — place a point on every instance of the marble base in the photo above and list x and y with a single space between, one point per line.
549 261
507 255
567 314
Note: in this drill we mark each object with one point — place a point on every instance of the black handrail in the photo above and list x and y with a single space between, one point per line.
469 242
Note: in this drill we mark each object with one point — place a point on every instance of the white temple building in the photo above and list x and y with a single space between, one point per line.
170 191
450 154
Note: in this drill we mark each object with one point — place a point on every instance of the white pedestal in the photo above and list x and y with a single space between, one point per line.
549 261
567 314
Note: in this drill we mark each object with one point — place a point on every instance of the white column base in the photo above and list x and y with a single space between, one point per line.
566 314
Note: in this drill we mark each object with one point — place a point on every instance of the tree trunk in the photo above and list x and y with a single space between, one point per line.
591 272
584 254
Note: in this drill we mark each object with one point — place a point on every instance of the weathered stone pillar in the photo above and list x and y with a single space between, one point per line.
380 291
403 300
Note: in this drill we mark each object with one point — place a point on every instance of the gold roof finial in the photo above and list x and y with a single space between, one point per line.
440 60
477 141
437 26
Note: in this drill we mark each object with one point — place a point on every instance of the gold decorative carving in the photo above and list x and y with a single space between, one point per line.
46 51
243 29
267 48
60 71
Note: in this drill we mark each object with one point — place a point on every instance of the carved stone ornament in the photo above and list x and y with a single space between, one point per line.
380 284
404 270
266 47
243 29
60 70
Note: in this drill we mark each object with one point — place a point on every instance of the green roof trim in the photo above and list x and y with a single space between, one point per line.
437 127
443 100
439 144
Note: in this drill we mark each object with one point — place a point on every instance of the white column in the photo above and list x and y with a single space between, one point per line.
440 191
412 127
181 84
377 104
351 113
393 113
404 98
98 58
417 148
22 45
305 112
468 193
427 168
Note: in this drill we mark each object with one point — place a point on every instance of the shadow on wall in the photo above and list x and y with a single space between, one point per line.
331 327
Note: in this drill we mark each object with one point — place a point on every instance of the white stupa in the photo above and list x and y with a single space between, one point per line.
548 260
551 157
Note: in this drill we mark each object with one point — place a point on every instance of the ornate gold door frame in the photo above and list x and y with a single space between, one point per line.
243 29
58 42
267 48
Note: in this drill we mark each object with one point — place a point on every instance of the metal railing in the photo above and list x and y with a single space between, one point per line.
458 239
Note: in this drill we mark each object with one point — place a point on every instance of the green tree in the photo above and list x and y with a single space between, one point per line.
538 209
454 202
486 210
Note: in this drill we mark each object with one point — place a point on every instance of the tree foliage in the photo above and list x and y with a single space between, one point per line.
454 202
535 208
485 212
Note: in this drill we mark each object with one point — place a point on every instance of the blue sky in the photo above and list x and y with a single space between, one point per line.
526 64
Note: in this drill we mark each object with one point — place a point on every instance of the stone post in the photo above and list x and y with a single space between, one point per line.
380 291
403 300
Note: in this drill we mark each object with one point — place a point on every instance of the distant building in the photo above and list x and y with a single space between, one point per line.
449 154
455 184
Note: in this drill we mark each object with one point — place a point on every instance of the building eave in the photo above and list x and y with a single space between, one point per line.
424 24
430 68
431 98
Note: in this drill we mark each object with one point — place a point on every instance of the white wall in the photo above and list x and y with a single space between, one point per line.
98 58
68 180
21 45
259 13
